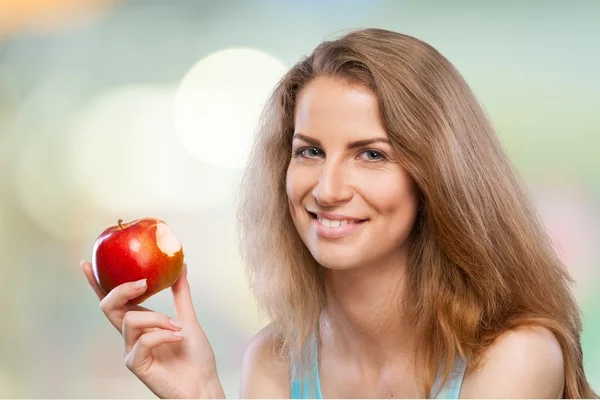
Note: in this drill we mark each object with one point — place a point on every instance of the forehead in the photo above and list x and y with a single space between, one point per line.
333 106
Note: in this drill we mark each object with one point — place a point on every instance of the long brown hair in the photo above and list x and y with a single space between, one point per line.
481 262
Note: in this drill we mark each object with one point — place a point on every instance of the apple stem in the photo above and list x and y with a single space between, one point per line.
119 222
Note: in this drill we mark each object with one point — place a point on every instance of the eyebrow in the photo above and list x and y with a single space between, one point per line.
349 145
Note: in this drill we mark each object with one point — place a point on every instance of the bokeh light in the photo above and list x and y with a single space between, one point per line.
219 103
46 15
125 155
38 163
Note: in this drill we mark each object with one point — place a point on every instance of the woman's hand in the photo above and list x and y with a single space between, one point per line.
172 358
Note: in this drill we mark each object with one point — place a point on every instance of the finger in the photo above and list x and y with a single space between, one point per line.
140 357
136 322
114 304
184 307
89 274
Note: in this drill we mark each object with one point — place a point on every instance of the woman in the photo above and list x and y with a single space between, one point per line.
388 239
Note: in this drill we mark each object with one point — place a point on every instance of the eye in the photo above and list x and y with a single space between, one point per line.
373 156
309 152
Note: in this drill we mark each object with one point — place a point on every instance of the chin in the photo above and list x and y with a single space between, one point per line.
335 261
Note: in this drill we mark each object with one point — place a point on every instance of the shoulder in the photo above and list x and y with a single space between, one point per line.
264 374
525 362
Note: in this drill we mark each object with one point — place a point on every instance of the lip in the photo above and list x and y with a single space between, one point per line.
335 217
339 231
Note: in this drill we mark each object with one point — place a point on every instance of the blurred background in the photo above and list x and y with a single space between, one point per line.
123 109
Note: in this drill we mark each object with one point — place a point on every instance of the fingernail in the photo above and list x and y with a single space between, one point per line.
176 324
81 263
139 284
179 333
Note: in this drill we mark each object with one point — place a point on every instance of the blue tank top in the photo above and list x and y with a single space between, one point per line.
300 389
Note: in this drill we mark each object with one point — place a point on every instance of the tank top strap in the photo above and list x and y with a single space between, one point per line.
451 389
301 385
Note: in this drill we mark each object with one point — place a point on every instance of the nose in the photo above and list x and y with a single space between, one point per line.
332 187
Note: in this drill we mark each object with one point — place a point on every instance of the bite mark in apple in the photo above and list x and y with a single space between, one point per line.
166 240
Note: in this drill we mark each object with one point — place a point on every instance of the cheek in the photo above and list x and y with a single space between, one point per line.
397 208
396 198
297 184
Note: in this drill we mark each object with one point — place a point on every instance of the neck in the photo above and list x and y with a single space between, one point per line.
364 316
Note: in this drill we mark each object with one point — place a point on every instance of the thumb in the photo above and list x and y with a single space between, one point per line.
184 307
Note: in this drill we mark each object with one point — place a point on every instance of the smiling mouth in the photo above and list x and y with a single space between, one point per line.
333 229
335 223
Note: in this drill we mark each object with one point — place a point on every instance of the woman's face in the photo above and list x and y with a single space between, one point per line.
352 203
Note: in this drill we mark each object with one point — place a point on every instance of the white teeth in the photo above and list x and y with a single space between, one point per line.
329 223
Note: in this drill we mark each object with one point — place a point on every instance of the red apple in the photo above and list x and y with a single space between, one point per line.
144 248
